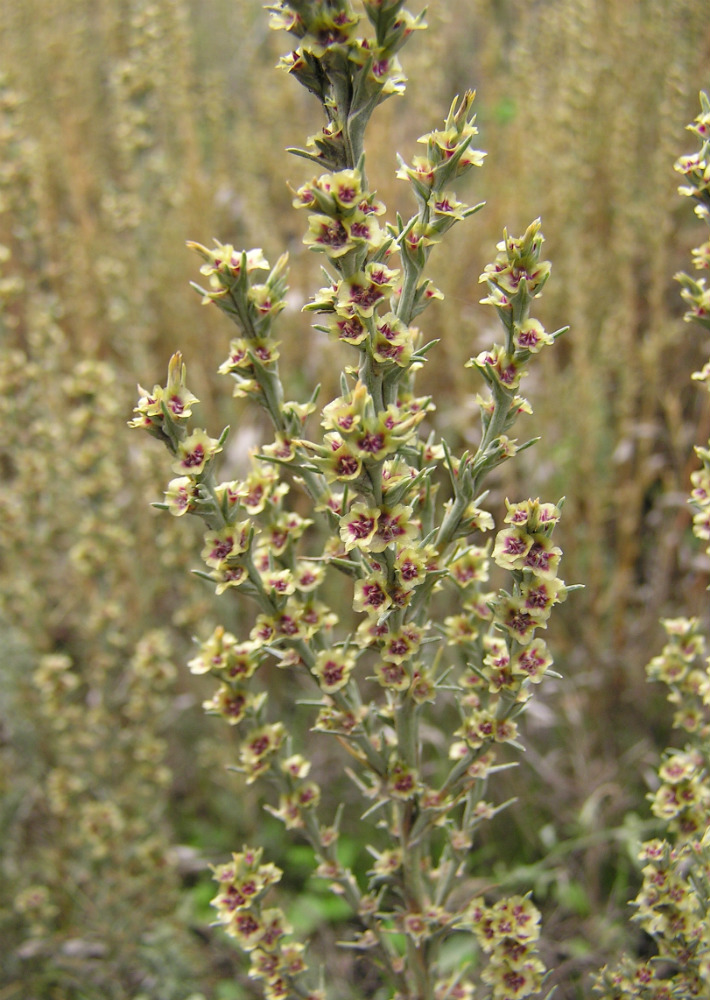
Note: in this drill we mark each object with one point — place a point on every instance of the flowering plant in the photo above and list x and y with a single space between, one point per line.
673 905
428 636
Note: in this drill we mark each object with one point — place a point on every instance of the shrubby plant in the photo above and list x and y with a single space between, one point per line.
111 152
360 543
138 123
673 904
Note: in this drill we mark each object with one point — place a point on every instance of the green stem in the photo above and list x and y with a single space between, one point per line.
419 957
502 399
272 387
409 289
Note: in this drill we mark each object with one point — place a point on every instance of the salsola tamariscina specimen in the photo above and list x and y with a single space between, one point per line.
402 521
673 905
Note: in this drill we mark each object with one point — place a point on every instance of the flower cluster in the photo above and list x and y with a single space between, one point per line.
696 295
448 156
164 413
514 279
507 932
495 632
367 303
526 550
262 932
346 600
695 168
673 905
351 74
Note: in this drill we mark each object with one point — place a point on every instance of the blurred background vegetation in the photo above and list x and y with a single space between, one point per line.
130 126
